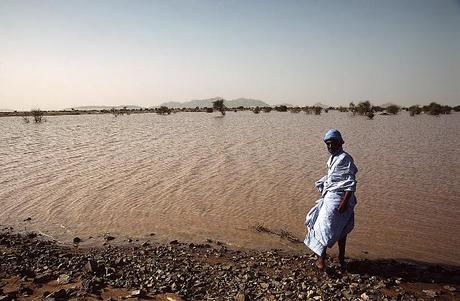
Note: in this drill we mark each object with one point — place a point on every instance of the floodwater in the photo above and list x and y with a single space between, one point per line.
197 176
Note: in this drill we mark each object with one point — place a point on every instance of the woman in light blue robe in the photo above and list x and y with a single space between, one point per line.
332 217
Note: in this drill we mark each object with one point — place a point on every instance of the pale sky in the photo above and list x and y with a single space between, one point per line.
60 54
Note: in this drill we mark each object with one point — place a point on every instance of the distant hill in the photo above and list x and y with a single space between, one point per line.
202 103
99 108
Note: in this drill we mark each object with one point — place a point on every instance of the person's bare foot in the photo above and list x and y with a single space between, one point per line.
320 264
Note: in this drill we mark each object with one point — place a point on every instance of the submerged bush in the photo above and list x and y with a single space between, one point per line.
37 115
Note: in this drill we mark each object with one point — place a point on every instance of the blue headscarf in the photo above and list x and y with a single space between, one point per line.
333 134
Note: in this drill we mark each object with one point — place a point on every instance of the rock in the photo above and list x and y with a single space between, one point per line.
6 298
138 293
174 242
27 273
63 279
60 294
264 285
90 267
26 291
108 237
364 296
430 293
145 244
449 288
28 219
43 278
76 240
241 297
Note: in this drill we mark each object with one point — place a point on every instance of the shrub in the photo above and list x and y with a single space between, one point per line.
163 110
432 109
414 110
282 108
393 109
267 109
37 114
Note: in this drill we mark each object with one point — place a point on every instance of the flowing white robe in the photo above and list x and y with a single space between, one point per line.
324 223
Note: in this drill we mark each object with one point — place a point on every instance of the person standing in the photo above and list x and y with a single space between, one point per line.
332 217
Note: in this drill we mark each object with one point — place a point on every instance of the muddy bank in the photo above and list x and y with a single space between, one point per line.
35 268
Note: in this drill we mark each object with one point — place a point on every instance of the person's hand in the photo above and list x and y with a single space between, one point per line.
342 206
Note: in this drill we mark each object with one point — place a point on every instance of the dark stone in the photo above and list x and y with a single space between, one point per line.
27 273
26 290
91 267
240 296
43 278
77 240
108 237
60 294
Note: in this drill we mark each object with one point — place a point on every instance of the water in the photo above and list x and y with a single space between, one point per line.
194 176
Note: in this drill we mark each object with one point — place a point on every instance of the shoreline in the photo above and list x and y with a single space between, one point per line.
34 267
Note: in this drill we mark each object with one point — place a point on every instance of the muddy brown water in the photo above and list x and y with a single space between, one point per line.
197 176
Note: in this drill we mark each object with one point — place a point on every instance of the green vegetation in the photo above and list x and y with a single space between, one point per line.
393 109
281 108
219 106
37 115
414 110
267 109
163 110
436 109
363 108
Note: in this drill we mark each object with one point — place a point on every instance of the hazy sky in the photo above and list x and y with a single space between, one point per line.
60 54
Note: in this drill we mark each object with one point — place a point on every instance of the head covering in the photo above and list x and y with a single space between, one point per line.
333 134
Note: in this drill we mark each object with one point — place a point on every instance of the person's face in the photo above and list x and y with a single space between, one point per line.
333 146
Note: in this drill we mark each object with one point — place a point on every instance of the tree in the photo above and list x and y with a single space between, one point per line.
433 109
163 110
352 108
365 108
219 106
281 108
393 109
414 110
267 109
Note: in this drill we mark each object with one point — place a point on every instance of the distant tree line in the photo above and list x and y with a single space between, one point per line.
362 108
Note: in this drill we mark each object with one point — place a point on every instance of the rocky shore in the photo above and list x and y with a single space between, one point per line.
35 268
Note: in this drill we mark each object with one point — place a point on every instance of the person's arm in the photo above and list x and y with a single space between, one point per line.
344 202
